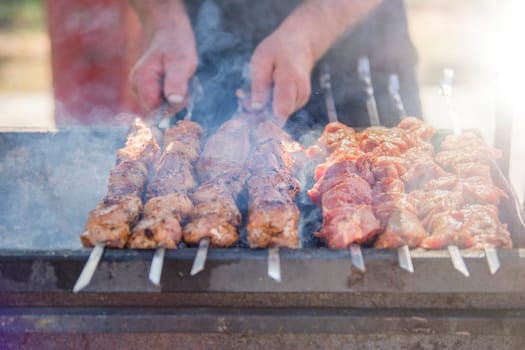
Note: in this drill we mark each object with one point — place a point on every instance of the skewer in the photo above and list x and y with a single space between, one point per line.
326 86
492 259
274 264
405 260
393 89
157 262
357 257
200 258
363 69
403 253
446 89
457 260
89 269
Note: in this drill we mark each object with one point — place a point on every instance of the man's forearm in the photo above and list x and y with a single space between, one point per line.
326 20
157 15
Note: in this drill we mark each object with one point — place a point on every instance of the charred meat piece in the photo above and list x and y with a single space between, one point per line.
218 218
140 146
273 215
160 223
110 222
222 175
229 147
168 202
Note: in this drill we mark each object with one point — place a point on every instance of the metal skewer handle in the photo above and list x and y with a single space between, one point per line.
201 256
89 269
405 259
274 264
457 260
393 89
155 271
356 255
326 85
363 69
446 90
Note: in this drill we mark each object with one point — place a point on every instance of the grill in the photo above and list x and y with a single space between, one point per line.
50 181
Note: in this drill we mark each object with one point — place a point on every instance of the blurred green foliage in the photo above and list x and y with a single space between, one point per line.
22 15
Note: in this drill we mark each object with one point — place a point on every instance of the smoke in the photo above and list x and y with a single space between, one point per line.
50 182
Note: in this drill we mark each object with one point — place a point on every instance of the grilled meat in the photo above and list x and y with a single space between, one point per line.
110 222
273 215
168 203
222 175
460 208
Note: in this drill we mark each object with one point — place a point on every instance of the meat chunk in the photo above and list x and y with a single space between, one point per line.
402 228
346 225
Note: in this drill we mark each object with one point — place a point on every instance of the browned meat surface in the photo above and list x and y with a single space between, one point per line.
187 133
217 218
402 228
273 214
443 228
173 175
140 146
160 223
125 178
222 175
220 232
229 145
168 202
110 222
273 223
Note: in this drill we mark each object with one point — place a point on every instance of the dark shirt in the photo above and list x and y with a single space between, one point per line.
228 31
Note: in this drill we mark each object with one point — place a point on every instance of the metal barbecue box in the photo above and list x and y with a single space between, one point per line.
50 180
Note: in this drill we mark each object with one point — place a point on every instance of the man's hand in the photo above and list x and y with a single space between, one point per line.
282 63
164 70
284 60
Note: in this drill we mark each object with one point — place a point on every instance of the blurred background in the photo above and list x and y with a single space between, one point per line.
477 38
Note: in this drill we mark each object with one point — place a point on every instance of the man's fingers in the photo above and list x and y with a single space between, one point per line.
261 70
284 98
145 81
176 78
